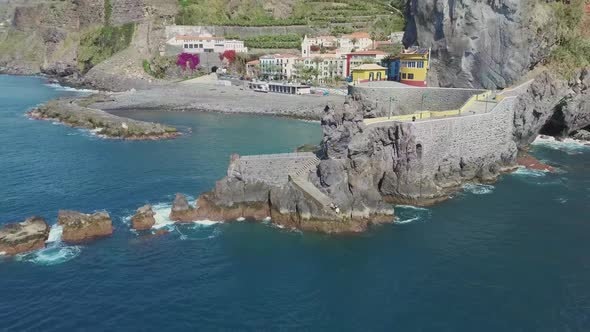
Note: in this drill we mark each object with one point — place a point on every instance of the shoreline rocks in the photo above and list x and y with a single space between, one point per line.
80 227
181 211
143 218
25 236
103 124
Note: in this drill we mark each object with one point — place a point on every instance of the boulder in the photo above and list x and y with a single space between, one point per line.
28 235
582 135
181 210
80 227
143 218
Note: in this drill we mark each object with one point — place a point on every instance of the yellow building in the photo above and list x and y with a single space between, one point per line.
369 72
414 64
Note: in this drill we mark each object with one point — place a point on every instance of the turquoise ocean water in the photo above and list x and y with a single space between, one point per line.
508 257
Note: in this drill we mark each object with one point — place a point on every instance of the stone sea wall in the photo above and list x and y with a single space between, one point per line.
409 100
460 139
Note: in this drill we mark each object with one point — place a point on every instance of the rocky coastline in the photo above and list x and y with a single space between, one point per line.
72 112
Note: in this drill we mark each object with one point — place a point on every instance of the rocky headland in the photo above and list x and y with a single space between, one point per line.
80 227
73 113
24 236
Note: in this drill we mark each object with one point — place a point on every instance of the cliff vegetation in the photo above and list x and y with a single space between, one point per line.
573 40
100 43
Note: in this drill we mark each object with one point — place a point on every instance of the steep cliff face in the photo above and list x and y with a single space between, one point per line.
45 36
552 106
486 44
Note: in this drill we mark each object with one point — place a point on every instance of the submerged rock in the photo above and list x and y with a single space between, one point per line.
143 218
526 160
80 227
28 235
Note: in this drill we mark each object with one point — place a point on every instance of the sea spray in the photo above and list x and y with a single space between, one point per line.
405 214
55 253
478 188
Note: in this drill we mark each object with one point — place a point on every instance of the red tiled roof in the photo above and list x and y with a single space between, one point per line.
588 9
253 62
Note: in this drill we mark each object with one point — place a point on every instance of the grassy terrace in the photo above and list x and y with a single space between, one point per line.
379 17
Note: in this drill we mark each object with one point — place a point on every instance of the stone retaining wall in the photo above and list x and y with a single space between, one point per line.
482 138
409 100
175 30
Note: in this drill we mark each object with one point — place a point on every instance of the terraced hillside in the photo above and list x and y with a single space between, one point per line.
379 17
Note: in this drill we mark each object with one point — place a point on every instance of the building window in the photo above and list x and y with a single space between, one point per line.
410 76
420 64
403 76
190 45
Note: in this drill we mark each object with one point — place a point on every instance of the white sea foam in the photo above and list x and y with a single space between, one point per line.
266 219
478 189
55 234
56 251
241 219
568 145
523 171
2 253
162 217
51 255
60 87
405 214
411 207
405 221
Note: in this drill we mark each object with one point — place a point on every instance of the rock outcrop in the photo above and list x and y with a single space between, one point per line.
25 236
181 210
486 44
143 218
80 227
552 106
71 113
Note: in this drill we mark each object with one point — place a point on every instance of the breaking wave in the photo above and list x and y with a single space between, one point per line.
405 214
569 145
59 87
55 253
478 188
523 171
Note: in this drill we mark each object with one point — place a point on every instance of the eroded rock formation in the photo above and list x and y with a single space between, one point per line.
80 227
25 236
552 106
480 43
143 218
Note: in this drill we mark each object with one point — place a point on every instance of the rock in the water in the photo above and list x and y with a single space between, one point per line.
583 135
28 235
181 210
80 227
143 218
530 162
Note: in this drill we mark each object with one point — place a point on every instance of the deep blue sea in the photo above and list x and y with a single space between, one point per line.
514 256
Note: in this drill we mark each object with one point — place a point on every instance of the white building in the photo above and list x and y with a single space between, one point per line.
278 65
358 41
329 66
207 44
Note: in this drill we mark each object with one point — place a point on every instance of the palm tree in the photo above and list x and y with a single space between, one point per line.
317 60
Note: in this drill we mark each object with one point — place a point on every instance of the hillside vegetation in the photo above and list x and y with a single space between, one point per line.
380 17
573 40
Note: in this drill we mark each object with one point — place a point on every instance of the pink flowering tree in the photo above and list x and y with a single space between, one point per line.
188 61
